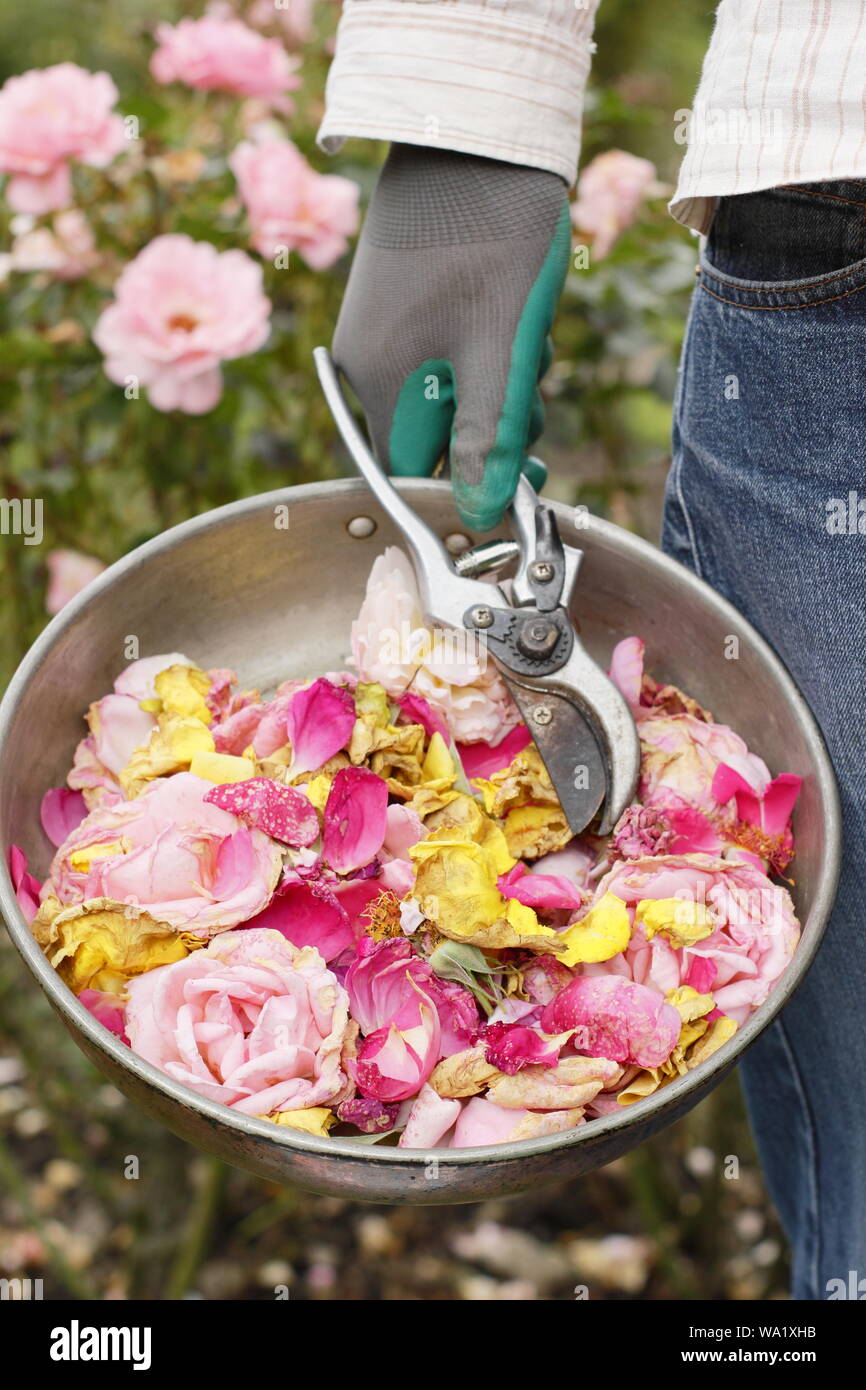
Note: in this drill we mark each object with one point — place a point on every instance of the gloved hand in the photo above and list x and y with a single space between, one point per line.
443 328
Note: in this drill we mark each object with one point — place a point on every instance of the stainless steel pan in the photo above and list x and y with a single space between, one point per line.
235 588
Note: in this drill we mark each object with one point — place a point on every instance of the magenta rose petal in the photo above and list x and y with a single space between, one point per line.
615 1018
319 723
483 759
355 819
25 886
510 1046
369 1115
284 813
308 914
61 812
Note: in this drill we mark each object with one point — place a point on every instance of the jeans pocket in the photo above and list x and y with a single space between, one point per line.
794 247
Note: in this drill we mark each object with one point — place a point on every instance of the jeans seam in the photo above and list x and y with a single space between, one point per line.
687 518
789 287
811 1135
780 308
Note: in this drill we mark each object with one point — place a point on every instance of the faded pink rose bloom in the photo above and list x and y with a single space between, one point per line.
223 55
250 1021
293 18
410 1018
392 644
615 1018
610 191
66 250
49 116
754 939
68 573
291 206
171 853
180 309
680 757
118 725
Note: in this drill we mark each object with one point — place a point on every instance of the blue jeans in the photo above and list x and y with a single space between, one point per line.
769 428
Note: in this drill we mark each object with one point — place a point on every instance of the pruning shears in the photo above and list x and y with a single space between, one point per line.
580 723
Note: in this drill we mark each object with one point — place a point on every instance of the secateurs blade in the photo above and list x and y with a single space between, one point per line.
580 723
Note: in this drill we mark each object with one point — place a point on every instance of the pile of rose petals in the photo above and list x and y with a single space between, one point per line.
355 905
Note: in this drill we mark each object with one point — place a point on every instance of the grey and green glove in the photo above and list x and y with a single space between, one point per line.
443 331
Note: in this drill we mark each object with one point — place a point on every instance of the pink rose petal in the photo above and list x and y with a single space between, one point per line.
319 723
615 1018
483 759
61 812
510 1046
284 813
545 892
355 819
25 886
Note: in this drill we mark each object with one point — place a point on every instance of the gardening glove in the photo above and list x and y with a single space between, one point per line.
443 328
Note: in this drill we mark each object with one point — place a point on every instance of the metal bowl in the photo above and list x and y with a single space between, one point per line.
237 587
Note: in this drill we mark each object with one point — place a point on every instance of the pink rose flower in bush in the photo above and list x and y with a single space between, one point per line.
610 191
291 206
68 573
250 1021
49 116
294 18
180 309
391 644
171 853
66 250
222 54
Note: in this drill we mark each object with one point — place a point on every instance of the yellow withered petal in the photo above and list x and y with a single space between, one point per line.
317 1120
182 690
81 859
438 764
221 768
689 1004
100 944
171 748
601 934
456 889
467 821
533 831
681 921
372 703
318 789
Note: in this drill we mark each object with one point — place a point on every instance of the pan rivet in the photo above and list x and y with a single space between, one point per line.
542 714
360 527
457 543
542 571
482 617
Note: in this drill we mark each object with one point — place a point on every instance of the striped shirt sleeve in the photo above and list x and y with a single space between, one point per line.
500 78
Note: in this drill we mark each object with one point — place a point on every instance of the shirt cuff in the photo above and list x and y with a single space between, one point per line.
460 77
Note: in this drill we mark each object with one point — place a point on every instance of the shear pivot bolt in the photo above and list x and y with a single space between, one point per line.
542 714
482 617
542 571
538 637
